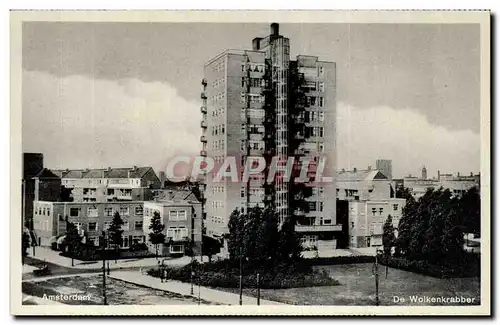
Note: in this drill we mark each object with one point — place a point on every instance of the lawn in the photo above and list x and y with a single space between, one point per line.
357 287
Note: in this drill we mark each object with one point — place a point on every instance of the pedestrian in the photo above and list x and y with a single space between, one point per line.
165 274
161 275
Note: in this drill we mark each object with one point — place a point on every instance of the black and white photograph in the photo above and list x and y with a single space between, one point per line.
250 163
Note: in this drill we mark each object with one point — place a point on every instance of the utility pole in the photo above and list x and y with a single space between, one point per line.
104 268
241 279
376 278
258 289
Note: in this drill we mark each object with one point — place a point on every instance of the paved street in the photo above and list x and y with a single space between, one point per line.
49 255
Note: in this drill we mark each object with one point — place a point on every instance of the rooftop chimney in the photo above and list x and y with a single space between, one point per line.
369 167
275 29
471 173
109 169
458 174
439 175
343 170
256 43
355 169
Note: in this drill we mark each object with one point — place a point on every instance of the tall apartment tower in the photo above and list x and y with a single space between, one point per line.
259 103
385 167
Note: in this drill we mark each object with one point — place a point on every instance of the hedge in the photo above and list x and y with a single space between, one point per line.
341 260
93 254
468 266
214 276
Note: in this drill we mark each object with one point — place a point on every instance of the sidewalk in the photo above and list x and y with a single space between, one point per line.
49 255
207 294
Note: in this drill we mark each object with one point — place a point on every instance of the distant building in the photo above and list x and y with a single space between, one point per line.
385 167
111 184
457 184
183 225
424 173
162 176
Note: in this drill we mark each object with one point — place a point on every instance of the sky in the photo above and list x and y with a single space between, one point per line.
123 94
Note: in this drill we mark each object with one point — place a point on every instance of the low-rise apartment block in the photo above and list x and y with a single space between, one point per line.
50 220
182 220
183 225
370 202
111 184
367 219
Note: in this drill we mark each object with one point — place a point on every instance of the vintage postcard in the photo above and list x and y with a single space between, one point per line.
250 163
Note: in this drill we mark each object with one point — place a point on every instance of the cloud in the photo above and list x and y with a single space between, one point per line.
79 122
406 137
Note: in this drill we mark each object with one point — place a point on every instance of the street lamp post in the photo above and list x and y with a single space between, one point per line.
201 242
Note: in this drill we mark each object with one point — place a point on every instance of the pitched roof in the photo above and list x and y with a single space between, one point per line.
134 172
175 195
138 172
359 175
68 173
46 173
95 173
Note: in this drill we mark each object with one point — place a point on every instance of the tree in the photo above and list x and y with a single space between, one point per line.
470 210
235 236
210 247
404 193
452 239
25 244
254 237
388 236
289 245
115 231
72 241
156 236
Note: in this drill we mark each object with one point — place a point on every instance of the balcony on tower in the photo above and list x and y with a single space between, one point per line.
317 228
203 139
204 82
203 109
203 95
203 153
203 124
299 136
